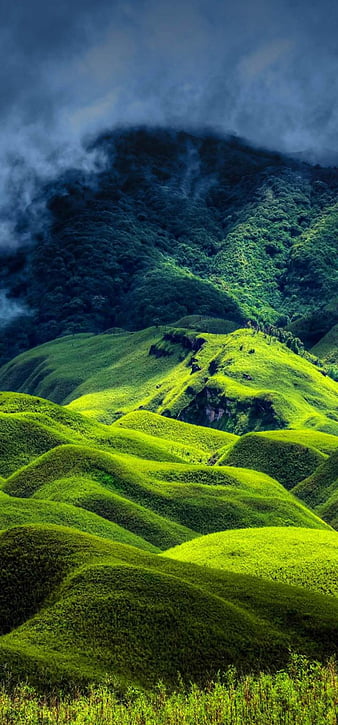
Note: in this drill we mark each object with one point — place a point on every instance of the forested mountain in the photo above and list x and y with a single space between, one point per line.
170 224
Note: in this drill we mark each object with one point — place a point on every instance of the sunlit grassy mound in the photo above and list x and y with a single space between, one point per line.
15 511
116 369
163 503
316 489
195 440
304 557
240 382
75 607
23 440
320 491
30 426
289 462
323 442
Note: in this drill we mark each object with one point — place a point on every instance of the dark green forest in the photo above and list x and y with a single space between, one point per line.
171 224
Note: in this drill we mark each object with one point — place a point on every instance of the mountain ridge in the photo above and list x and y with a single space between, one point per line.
173 224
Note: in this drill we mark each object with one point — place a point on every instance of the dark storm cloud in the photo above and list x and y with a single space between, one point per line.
265 70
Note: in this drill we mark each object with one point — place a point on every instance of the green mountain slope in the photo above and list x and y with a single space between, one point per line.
175 224
303 557
238 382
75 607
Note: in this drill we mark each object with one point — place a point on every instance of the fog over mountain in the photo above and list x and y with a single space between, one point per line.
264 70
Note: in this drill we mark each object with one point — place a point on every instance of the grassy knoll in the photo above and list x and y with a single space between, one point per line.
197 440
289 462
317 488
164 503
303 694
304 557
323 442
320 490
16 511
30 426
76 607
237 382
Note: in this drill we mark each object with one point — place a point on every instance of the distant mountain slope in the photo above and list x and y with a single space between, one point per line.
173 224
74 608
241 382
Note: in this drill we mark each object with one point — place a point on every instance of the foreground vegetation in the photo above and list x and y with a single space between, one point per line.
75 607
304 694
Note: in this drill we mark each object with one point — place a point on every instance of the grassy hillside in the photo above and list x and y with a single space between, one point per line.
75 607
163 503
322 484
303 557
307 437
30 426
287 461
239 382
320 490
195 438
15 511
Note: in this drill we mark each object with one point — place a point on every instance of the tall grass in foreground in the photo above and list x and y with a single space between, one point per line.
304 694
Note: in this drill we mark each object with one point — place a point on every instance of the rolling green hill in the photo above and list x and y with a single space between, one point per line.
30 426
287 461
195 438
320 490
239 382
163 503
303 557
76 607
15 511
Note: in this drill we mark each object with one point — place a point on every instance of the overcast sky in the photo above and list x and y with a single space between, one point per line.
267 70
